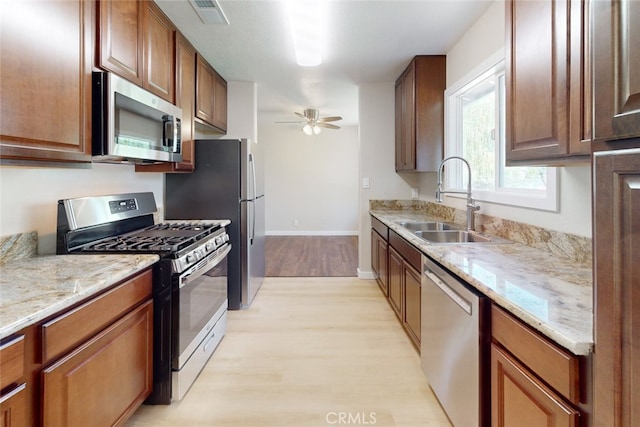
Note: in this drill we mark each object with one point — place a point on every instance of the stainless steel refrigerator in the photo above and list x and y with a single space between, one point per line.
227 183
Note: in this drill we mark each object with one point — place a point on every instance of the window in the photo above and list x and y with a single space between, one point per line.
475 117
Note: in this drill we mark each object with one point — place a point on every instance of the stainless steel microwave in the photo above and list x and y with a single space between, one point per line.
131 124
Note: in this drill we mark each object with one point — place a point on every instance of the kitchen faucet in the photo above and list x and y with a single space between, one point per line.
471 207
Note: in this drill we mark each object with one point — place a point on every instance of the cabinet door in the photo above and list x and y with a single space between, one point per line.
544 69
616 43
398 126
395 281
379 260
616 288
106 379
120 32
409 119
13 407
412 304
383 272
204 90
519 399
220 103
159 50
45 112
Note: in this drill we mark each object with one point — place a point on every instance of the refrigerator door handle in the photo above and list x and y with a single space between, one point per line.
253 197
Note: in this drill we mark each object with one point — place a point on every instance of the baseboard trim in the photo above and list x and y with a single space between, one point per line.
366 275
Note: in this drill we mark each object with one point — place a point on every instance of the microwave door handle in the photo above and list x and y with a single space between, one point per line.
167 122
170 132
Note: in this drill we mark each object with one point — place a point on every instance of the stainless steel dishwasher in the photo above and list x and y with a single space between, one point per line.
453 350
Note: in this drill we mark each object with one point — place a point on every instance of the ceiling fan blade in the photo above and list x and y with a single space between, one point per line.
300 115
329 119
327 125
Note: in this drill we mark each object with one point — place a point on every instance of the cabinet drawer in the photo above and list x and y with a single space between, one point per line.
380 228
554 365
407 250
70 329
11 361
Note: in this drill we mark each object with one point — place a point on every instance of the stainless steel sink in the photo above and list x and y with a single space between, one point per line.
427 225
456 236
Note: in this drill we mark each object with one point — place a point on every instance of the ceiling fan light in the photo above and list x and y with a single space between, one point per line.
307 129
316 129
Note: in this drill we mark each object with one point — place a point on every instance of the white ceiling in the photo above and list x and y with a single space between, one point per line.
370 41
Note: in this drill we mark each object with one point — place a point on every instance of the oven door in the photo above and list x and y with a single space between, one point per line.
199 299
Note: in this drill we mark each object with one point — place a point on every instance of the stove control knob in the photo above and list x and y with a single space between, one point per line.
191 258
209 246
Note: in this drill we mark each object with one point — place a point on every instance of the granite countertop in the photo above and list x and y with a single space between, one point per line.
549 293
32 289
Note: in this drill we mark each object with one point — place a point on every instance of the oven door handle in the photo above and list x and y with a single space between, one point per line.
205 265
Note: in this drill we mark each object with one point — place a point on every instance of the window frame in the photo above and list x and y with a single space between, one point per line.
454 178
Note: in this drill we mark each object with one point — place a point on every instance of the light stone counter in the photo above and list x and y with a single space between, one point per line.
550 293
32 289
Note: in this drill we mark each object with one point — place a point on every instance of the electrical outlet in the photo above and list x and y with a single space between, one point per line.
295 222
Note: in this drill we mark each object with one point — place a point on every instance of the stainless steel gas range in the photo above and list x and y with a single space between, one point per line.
190 280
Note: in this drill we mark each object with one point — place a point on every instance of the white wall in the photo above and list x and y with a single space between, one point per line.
310 179
377 161
29 195
481 41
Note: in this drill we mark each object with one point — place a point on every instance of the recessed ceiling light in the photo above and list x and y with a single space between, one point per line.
307 20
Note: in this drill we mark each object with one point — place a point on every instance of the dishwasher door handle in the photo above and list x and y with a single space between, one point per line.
455 297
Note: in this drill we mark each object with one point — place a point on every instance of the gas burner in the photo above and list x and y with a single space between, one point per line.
161 238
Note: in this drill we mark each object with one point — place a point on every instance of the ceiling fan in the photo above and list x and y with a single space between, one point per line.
313 122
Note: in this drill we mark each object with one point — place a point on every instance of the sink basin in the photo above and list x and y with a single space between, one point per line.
454 236
427 226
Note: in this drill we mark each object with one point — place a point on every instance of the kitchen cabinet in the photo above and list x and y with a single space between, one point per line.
547 71
616 246
419 114
396 274
211 96
13 399
137 42
45 112
616 71
379 253
90 364
534 382
112 372
405 274
185 99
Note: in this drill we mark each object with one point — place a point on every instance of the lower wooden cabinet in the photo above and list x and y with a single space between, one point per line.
13 407
379 256
518 398
105 380
535 382
395 282
412 303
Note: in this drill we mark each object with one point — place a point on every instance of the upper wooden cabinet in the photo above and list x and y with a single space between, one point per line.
419 111
547 82
137 42
616 43
45 80
211 96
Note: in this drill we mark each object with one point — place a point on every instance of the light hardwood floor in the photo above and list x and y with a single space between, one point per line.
307 352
